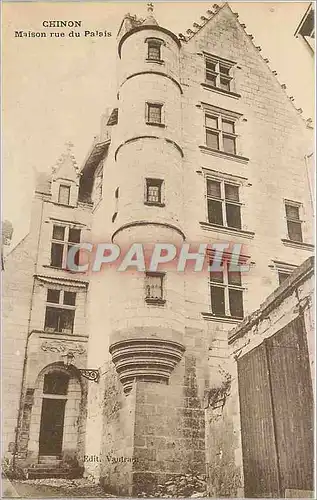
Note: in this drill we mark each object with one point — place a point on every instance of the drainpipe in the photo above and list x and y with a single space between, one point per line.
310 187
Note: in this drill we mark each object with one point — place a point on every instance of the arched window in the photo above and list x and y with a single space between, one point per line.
56 383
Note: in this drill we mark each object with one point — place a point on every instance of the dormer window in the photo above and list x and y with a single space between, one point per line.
154 49
64 194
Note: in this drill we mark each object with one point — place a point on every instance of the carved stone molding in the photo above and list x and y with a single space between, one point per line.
62 347
151 360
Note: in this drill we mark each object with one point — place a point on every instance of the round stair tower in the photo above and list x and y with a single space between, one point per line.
148 308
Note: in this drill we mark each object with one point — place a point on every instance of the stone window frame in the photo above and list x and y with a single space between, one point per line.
60 305
156 104
157 43
65 242
149 298
282 269
297 220
154 181
63 185
223 69
224 180
227 287
219 131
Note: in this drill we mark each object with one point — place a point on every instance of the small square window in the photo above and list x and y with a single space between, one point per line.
154 113
64 194
154 191
154 286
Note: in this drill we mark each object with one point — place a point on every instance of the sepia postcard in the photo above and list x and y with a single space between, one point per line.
158 201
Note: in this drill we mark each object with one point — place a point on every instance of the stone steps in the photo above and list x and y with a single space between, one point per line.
53 467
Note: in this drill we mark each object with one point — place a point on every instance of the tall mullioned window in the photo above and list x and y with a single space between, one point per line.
220 133
294 223
63 238
226 293
224 206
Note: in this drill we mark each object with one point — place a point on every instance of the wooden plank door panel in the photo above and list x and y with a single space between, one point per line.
292 399
259 453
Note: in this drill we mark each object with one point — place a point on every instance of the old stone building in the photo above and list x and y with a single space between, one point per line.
134 377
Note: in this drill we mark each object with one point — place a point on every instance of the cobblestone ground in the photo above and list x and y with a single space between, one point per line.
53 488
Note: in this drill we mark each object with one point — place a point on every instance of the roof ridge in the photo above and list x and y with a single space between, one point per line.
212 13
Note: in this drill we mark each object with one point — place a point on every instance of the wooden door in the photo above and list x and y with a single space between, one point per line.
276 406
52 426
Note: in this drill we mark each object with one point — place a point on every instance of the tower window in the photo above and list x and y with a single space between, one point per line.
154 293
153 191
294 224
154 49
154 113
64 194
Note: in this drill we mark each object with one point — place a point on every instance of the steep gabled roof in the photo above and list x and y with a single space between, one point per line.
66 167
211 16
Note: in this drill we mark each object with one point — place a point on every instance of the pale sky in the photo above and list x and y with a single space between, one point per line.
55 90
